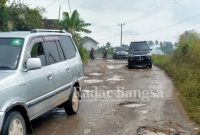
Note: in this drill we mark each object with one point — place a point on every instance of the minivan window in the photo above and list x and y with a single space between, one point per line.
38 52
68 47
10 51
62 56
139 47
52 52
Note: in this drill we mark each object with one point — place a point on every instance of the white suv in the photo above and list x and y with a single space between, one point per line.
39 70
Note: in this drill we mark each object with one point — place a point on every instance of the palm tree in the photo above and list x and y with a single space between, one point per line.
73 23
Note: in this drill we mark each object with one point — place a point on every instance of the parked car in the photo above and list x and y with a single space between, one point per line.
139 55
120 53
39 70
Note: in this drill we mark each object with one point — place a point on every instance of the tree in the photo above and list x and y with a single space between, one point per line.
108 45
3 16
167 47
187 40
156 42
73 23
23 18
3 2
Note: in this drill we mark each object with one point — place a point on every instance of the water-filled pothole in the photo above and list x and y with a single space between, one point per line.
115 79
155 131
93 81
95 74
131 104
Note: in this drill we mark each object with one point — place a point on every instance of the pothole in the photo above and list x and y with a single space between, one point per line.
93 81
131 104
156 131
115 66
86 91
95 74
116 61
144 111
87 131
115 79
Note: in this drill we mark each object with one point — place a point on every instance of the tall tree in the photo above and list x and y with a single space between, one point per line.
73 23
3 16
24 18
156 42
108 45
2 2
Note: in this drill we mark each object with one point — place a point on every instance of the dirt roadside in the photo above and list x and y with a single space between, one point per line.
121 101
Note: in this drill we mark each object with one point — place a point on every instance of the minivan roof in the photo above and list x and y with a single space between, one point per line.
24 34
139 42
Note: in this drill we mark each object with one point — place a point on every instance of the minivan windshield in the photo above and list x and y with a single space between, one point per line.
10 50
139 47
120 49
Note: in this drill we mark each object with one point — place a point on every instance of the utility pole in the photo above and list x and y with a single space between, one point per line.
70 10
121 25
59 11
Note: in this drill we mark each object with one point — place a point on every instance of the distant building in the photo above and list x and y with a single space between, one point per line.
89 43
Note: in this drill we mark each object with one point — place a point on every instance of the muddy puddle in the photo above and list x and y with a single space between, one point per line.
156 131
131 104
115 66
115 79
92 81
95 74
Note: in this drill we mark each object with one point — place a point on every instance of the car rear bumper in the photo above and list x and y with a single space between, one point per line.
120 56
2 114
139 61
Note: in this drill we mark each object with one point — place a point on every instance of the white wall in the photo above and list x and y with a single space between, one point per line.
89 45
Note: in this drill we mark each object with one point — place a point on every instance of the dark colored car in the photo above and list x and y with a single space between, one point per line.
139 55
120 53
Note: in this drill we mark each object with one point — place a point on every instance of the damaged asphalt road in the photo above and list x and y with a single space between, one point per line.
121 101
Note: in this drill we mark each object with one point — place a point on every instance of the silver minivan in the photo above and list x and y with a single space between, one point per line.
39 70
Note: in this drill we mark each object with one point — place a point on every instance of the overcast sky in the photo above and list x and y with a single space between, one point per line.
162 20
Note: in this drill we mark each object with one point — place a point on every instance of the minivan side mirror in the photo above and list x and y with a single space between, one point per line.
33 63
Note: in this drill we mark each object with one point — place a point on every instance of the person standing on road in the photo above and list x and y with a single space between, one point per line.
104 53
92 54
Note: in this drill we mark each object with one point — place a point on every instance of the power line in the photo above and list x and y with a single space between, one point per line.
163 5
59 12
51 3
70 10
171 25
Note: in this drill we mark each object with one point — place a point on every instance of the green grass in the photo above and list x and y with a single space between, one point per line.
186 77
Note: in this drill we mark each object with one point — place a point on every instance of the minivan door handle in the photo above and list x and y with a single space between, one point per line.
68 70
50 77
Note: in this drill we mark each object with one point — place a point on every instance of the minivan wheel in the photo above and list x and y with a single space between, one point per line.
14 124
72 105
150 66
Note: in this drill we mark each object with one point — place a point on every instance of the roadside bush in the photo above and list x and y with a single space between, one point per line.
84 53
183 67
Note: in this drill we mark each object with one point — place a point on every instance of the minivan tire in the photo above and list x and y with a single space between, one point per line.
10 118
150 66
72 105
